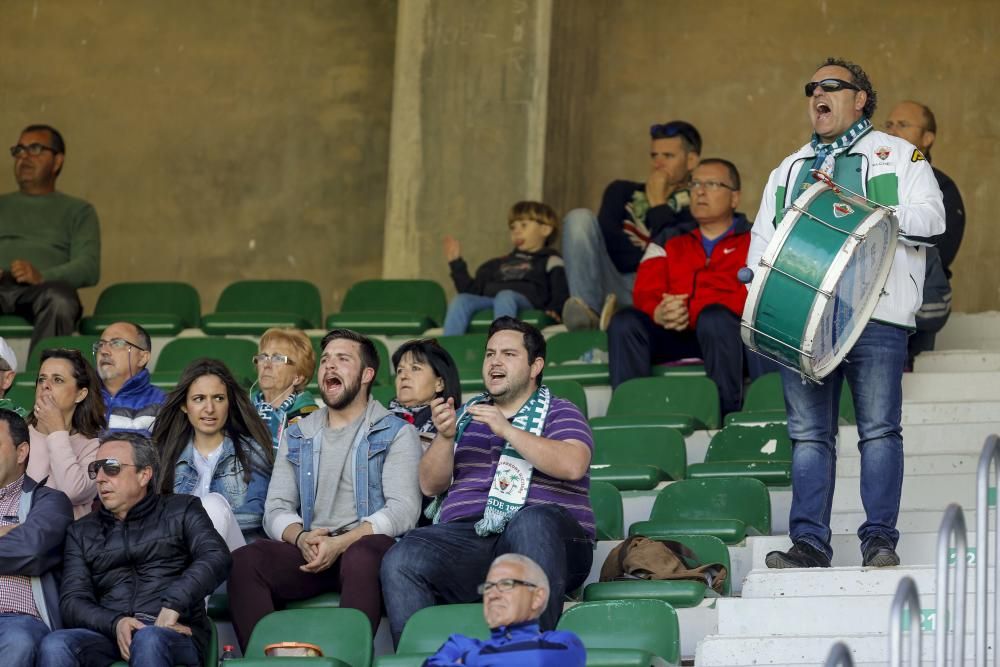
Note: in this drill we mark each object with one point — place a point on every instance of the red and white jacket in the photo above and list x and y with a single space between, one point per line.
681 267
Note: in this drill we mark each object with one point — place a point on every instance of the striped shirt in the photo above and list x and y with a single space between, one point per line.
15 589
478 452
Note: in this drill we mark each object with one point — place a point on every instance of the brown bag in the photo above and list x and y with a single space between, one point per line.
293 649
639 557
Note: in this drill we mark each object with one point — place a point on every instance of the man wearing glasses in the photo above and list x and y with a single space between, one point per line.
51 244
515 594
602 252
137 571
33 522
688 300
890 171
121 356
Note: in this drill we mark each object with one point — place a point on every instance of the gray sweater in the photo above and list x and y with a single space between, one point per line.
399 479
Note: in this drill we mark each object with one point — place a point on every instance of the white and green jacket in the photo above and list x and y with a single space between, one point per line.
892 172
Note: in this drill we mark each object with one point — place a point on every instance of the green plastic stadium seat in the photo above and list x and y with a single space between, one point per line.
649 423
676 368
322 601
765 393
236 353
22 395
383 393
696 398
563 357
250 307
765 403
467 350
83 344
626 451
570 390
430 627
482 320
391 307
162 308
14 326
385 370
729 508
625 632
678 593
763 452
609 515
350 644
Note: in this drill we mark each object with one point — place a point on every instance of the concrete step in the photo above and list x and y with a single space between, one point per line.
929 438
970 331
951 387
937 412
918 464
837 581
957 361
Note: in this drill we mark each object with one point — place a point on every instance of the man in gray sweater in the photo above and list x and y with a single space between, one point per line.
330 533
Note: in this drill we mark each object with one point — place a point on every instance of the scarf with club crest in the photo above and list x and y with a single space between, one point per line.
826 154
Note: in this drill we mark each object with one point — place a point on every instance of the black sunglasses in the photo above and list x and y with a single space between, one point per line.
829 85
111 467
669 131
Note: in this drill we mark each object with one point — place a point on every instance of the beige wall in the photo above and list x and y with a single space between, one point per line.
735 69
218 140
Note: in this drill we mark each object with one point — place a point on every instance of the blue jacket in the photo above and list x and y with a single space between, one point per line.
135 406
523 644
35 547
247 500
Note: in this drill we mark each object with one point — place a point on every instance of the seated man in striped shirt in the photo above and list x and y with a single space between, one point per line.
514 465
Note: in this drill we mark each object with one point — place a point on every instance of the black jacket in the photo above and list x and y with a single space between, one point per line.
539 276
164 554
663 223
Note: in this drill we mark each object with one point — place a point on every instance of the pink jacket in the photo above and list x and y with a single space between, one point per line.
63 458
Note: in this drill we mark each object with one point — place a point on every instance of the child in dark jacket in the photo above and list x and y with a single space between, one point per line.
530 276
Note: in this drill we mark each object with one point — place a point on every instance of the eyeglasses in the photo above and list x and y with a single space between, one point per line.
829 86
115 344
504 585
31 149
111 467
271 358
711 186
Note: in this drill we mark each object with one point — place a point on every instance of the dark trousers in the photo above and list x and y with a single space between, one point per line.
266 575
635 343
54 308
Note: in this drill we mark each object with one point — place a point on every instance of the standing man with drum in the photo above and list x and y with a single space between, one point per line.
890 172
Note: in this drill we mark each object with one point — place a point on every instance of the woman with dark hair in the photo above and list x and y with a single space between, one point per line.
214 446
63 425
424 371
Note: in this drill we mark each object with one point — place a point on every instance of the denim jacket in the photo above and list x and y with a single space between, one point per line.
247 500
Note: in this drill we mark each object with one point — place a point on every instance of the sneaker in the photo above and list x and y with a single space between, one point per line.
577 315
800 555
879 553
608 311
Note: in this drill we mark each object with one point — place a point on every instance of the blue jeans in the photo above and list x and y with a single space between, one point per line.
590 273
20 636
151 647
874 372
446 562
464 306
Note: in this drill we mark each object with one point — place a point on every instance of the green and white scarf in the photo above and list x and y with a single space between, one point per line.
512 478
826 154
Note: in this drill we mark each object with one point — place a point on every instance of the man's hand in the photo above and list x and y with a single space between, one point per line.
123 631
489 414
24 272
444 417
168 618
7 528
657 188
452 248
307 542
49 418
672 312
328 550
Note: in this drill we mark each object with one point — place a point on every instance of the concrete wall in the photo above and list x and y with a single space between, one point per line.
218 140
735 69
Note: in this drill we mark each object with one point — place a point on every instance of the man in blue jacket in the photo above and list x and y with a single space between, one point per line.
515 594
33 522
121 356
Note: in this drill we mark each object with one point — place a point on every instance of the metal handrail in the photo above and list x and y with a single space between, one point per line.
952 525
990 454
906 596
839 656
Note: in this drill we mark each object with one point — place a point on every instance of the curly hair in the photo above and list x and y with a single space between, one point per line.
859 78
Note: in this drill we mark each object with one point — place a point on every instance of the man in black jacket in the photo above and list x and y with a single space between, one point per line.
33 522
136 572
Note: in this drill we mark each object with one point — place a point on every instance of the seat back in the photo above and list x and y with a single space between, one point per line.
765 442
85 345
130 301
696 397
340 633
428 629
467 350
609 514
236 353
420 296
740 498
571 390
764 393
648 625
706 549
569 346
628 445
295 297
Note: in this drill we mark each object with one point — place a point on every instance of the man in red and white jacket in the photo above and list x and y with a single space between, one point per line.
687 298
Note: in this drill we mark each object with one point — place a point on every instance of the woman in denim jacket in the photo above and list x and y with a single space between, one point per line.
214 445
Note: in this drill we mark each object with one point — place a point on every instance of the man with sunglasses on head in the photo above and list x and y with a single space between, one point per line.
121 356
33 522
137 571
50 243
515 594
890 171
602 252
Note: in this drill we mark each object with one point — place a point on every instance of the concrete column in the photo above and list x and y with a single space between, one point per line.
468 128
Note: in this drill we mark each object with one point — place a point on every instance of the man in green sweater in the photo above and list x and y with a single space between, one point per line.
50 243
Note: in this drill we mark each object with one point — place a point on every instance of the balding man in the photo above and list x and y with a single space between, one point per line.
515 594
121 356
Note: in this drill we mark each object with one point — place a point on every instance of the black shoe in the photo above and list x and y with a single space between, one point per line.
879 553
800 555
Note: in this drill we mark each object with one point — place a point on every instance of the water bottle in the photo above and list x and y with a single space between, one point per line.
228 652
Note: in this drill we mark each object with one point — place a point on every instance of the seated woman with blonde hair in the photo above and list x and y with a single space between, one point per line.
285 362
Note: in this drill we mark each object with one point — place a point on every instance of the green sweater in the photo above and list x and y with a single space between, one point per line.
58 234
